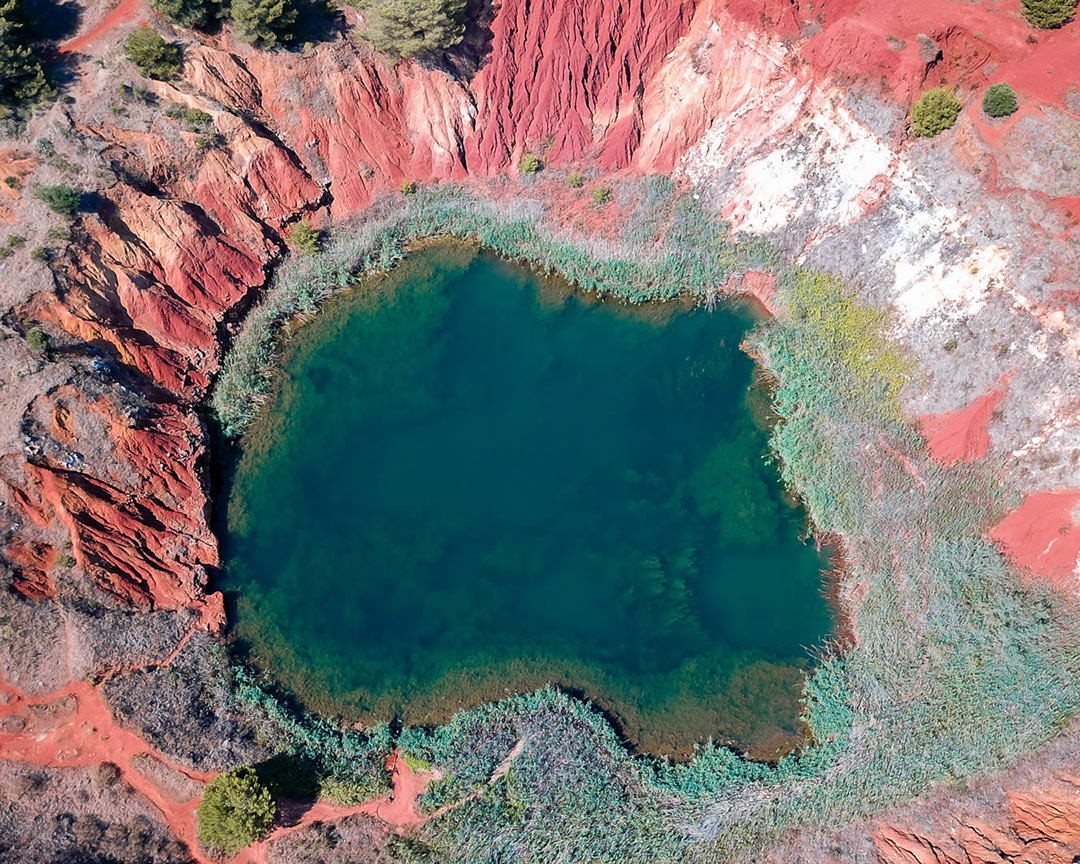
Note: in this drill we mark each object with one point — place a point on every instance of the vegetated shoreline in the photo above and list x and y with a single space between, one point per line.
484 680
956 669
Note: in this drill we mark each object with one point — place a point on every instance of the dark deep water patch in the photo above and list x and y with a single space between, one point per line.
472 482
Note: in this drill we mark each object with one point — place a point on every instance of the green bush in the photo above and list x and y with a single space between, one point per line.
601 195
236 810
188 13
61 199
263 23
530 164
155 57
37 339
934 112
1049 14
22 74
194 119
407 188
999 100
406 28
304 238
574 180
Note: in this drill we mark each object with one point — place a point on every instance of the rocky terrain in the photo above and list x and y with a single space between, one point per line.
789 120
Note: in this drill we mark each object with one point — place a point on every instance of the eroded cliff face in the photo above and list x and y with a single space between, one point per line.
791 120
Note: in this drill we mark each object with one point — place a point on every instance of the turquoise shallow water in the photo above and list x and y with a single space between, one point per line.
473 481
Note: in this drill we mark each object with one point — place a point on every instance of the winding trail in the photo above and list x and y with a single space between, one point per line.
73 727
124 11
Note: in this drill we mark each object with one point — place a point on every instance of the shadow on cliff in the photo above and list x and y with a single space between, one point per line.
465 59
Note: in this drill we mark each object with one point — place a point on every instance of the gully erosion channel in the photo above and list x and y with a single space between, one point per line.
473 481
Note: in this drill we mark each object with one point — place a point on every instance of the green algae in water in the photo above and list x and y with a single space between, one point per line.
473 481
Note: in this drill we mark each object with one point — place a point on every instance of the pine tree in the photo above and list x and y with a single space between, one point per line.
1048 14
155 57
22 76
406 28
263 23
188 13
236 810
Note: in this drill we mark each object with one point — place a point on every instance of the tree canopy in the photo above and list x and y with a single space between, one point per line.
1049 14
22 75
999 100
935 111
406 28
236 810
263 23
188 13
155 57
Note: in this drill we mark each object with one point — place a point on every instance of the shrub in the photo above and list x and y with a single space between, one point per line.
37 339
22 75
935 112
263 23
530 164
575 180
408 187
61 199
13 242
405 28
1048 14
155 57
195 119
236 810
999 100
305 239
188 13
601 195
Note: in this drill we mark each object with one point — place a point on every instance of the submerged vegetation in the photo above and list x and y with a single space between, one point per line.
627 272
957 669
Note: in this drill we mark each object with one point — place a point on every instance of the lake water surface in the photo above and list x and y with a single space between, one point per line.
473 481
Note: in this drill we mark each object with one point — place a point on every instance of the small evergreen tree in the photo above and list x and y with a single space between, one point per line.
405 28
263 23
155 57
61 199
1049 14
22 75
304 238
236 810
601 195
935 111
197 14
999 100
575 180
530 164
38 340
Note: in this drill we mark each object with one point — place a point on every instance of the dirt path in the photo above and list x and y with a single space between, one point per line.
123 12
73 727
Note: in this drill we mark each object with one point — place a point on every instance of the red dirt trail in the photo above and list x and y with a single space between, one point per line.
73 726
123 12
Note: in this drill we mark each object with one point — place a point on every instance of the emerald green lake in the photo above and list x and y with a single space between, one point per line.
472 481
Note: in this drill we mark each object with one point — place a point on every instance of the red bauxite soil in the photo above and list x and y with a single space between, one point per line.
962 435
1043 535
